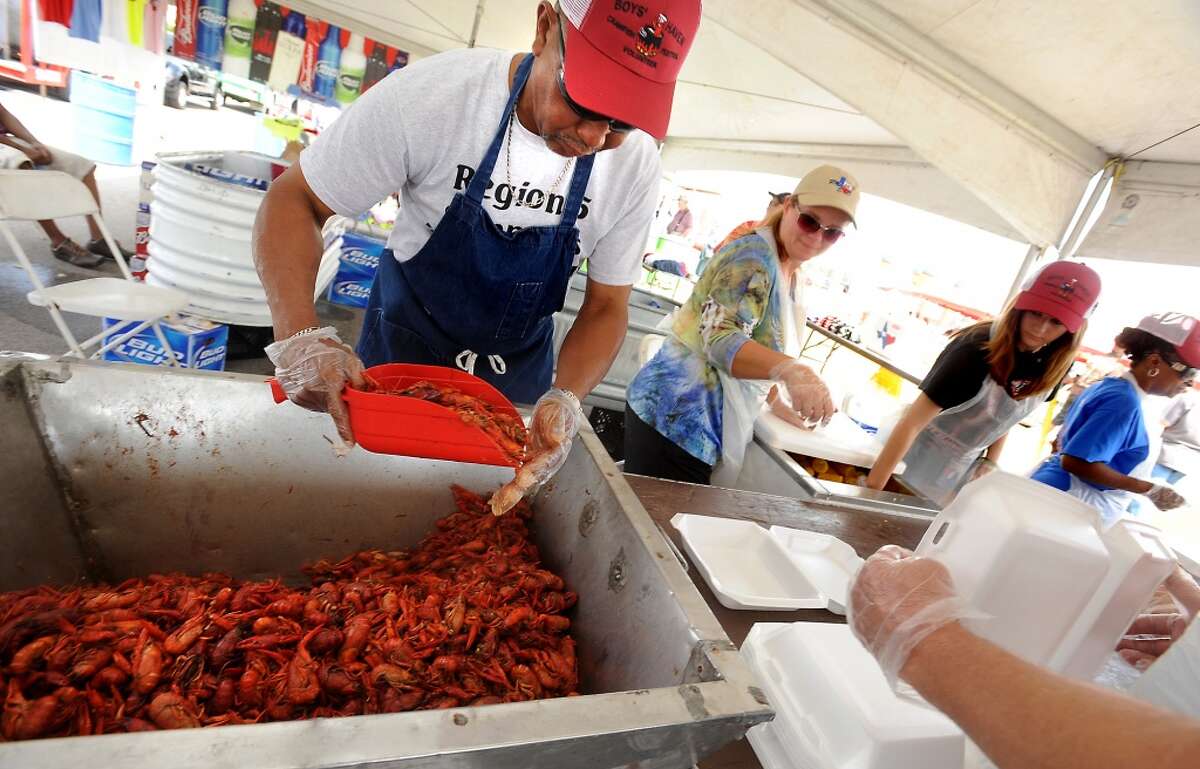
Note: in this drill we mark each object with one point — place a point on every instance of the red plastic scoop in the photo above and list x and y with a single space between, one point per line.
395 424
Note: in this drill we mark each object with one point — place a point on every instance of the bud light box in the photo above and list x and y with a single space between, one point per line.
356 270
197 343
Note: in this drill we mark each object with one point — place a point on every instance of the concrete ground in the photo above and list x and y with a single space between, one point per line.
26 328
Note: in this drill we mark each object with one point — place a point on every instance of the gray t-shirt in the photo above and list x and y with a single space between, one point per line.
423 131
1181 437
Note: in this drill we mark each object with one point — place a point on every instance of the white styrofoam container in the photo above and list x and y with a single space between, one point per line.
1027 555
839 441
1141 560
828 563
1056 591
834 708
745 566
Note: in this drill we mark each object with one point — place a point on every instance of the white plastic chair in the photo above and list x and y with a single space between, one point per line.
34 195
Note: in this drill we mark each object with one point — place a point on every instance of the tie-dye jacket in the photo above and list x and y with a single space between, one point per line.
738 299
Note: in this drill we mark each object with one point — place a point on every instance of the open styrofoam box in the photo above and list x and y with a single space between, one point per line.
749 567
842 440
834 708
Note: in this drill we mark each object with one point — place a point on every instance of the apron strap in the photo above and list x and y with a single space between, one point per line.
579 182
483 174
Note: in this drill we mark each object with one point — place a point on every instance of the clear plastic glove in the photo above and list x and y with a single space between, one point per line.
803 391
1151 635
1165 497
896 601
557 417
983 466
313 369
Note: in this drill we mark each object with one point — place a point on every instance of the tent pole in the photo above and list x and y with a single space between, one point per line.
1071 244
1031 258
475 25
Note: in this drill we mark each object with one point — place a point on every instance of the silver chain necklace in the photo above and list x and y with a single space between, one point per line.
508 161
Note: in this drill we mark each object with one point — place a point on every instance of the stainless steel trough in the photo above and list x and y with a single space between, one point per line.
111 471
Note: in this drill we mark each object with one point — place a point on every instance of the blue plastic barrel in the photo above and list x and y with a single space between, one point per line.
104 113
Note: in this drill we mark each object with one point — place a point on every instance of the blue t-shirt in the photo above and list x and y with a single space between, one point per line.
1105 425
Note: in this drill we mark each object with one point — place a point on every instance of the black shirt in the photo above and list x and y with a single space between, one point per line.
959 371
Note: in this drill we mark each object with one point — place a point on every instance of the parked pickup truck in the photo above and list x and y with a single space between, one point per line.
188 78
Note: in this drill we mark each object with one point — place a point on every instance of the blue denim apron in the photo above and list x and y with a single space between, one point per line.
477 297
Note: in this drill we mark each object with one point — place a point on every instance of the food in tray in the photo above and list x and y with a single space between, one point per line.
824 470
466 617
506 430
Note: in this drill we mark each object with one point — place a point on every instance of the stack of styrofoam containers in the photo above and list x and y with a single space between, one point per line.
1057 590
205 204
835 710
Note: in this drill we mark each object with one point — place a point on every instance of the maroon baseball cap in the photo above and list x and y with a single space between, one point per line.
623 57
1066 291
1182 331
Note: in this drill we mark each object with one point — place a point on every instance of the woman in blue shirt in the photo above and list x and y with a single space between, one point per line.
1104 444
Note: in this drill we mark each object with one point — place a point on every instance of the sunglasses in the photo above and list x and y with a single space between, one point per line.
810 224
616 126
1184 371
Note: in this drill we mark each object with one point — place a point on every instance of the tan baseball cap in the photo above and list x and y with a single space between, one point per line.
829 186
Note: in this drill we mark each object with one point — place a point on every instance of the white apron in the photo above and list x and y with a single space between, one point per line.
743 399
946 449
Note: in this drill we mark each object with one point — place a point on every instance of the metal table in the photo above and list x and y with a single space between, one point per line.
833 341
865 531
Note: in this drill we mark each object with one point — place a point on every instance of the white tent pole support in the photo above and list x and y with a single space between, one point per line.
1081 223
475 24
1031 258
890 35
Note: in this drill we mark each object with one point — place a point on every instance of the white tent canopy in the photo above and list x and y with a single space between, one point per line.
993 113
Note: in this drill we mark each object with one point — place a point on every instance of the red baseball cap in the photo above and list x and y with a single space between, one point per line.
623 57
1182 331
1066 291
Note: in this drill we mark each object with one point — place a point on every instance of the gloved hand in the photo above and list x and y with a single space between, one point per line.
1151 635
557 417
803 391
983 466
896 601
313 369
1165 497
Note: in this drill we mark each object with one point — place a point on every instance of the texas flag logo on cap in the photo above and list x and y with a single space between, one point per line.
843 184
623 57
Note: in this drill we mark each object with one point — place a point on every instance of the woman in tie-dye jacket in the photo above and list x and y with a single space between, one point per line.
730 342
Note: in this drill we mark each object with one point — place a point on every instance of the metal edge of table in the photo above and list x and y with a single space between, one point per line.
870 355
865 531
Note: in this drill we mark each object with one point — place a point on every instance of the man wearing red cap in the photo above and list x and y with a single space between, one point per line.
512 169
990 377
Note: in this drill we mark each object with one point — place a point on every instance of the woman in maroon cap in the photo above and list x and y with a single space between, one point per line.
1103 454
990 377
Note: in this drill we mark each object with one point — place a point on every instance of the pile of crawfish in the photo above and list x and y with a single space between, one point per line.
467 617
506 429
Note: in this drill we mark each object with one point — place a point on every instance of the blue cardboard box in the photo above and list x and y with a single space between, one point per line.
357 265
197 343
